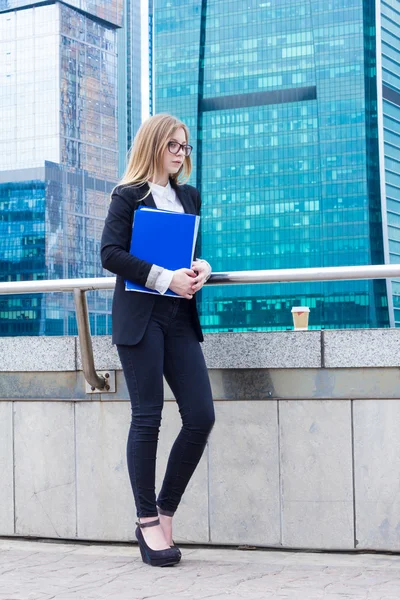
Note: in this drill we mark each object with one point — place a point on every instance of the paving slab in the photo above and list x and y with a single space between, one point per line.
40 570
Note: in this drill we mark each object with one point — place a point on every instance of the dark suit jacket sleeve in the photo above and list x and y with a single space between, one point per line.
116 239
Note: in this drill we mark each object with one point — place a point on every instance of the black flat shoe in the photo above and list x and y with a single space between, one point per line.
155 558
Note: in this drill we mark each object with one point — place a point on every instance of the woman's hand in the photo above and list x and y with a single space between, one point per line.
182 283
203 270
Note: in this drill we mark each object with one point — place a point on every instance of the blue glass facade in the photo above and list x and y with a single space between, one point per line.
129 79
151 46
22 256
58 158
390 41
281 100
50 228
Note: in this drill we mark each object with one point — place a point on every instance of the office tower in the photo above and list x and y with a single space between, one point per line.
129 78
388 85
58 154
293 108
151 55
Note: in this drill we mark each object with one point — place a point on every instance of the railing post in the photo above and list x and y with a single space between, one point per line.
85 341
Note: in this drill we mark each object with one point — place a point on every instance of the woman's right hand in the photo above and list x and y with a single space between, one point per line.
182 282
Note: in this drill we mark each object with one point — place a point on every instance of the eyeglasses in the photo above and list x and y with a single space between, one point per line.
174 148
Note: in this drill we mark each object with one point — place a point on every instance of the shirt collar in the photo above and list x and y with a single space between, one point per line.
161 190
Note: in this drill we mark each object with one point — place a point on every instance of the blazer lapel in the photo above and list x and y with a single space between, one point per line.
149 200
185 199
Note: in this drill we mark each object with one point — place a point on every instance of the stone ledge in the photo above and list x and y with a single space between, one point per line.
37 354
104 353
255 350
263 350
354 348
345 348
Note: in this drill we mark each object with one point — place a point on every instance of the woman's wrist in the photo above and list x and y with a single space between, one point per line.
159 279
207 264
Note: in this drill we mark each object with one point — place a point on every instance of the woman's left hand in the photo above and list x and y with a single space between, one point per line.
203 271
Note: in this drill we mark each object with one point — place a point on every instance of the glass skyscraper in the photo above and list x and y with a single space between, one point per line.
109 11
58 154
129 79
151 56
293 107
388 37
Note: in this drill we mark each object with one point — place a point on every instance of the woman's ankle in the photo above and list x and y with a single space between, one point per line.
148 519
153 533
164 512
166 526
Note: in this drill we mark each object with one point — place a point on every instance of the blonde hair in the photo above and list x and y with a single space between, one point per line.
145 156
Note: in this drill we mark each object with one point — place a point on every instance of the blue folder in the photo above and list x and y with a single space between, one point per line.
163 238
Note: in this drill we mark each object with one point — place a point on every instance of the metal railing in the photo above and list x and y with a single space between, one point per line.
79 287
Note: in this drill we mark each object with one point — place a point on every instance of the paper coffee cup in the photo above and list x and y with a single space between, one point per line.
300 317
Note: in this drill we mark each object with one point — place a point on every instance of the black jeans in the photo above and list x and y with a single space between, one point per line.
169 347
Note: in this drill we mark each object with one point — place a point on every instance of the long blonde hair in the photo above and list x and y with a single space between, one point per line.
145 156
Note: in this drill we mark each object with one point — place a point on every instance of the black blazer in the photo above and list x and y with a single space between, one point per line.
130 310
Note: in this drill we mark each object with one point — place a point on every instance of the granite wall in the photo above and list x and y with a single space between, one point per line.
305 452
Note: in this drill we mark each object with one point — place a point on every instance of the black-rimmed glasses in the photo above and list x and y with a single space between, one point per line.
174 148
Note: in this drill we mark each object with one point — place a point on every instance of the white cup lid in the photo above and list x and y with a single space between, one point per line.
300 309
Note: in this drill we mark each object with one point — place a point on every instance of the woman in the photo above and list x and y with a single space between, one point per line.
157 334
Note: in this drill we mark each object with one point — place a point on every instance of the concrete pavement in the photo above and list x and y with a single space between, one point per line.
31 570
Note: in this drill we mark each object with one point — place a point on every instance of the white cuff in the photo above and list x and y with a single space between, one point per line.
154 272
163 281
208 265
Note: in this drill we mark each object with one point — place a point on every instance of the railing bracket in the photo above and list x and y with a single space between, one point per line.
109 387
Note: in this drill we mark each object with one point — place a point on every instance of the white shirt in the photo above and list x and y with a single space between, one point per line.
165 198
